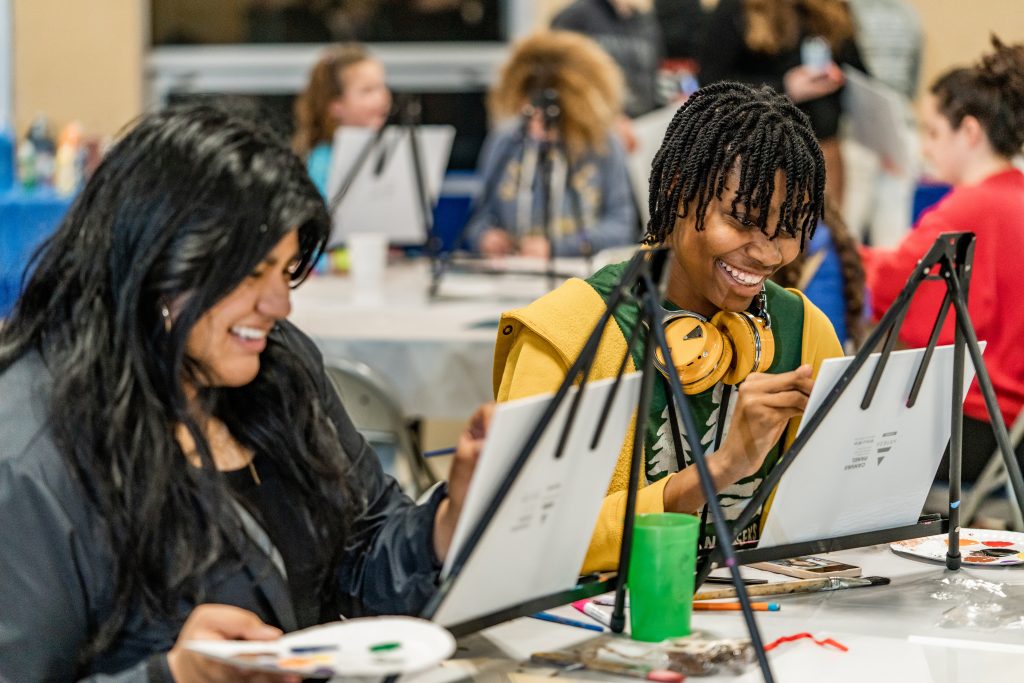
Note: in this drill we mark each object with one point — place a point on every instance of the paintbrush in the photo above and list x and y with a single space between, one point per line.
830 583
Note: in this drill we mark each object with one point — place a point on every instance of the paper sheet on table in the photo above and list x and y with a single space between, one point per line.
536 542
509 278
877 116
865 470
871 658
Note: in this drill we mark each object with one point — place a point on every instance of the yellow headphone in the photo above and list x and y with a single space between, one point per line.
726 348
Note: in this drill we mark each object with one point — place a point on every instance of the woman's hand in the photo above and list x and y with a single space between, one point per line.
764 407
803 83
220 622
496 242
466 453
535 246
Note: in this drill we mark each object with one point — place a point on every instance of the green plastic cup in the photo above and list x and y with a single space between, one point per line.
661 567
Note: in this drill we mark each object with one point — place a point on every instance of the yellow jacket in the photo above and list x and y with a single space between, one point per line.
536 346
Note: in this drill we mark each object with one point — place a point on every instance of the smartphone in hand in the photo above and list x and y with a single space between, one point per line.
816 54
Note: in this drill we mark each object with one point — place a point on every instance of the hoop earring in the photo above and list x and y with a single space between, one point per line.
165 313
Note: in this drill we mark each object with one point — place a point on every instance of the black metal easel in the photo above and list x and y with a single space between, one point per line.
408 118
552 142
952 254
545 102
638 284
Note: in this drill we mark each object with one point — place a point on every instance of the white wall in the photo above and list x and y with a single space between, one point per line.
79 59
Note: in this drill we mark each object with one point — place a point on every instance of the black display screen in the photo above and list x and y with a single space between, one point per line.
247 22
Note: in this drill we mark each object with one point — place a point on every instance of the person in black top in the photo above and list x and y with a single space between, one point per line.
682 25
767 42
629 32
174 462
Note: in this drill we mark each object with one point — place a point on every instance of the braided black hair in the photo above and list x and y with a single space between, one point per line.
851 268
730 126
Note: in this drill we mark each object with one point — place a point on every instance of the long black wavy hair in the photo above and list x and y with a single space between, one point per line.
181 210
755 131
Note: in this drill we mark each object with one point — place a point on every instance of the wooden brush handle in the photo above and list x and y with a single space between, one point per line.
782 588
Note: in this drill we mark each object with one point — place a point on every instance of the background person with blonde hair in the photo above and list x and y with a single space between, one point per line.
587 190
346 88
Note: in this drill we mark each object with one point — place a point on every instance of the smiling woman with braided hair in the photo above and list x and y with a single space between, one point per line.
736 191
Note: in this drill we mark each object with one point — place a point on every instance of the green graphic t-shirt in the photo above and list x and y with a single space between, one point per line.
787 313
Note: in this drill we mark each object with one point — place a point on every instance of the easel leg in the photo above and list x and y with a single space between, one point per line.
963 321
618 621
956 442
723 533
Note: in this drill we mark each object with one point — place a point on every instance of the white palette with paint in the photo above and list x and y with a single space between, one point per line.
368 647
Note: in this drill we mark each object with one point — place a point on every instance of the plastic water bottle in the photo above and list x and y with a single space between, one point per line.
66 178
45 149
6 157
27 164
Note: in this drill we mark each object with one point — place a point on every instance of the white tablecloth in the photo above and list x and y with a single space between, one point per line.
891 632
436 354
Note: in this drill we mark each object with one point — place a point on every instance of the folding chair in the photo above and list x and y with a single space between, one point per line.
375 412
994 476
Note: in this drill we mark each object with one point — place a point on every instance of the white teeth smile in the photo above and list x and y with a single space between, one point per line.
742 276
249 333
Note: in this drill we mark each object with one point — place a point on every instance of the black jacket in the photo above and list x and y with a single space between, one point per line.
56 564
634 42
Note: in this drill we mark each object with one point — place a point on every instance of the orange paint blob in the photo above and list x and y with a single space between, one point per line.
979 559
304 662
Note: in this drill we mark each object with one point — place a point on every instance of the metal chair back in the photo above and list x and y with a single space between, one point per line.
994 476
376 413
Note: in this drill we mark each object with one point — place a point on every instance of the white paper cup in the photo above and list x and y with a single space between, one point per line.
367 258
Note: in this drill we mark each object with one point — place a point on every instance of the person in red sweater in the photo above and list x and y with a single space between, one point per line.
973 123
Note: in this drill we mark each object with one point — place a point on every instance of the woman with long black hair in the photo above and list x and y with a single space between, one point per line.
173 461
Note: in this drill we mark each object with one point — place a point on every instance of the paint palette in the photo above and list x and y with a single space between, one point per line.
374 646
978 547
